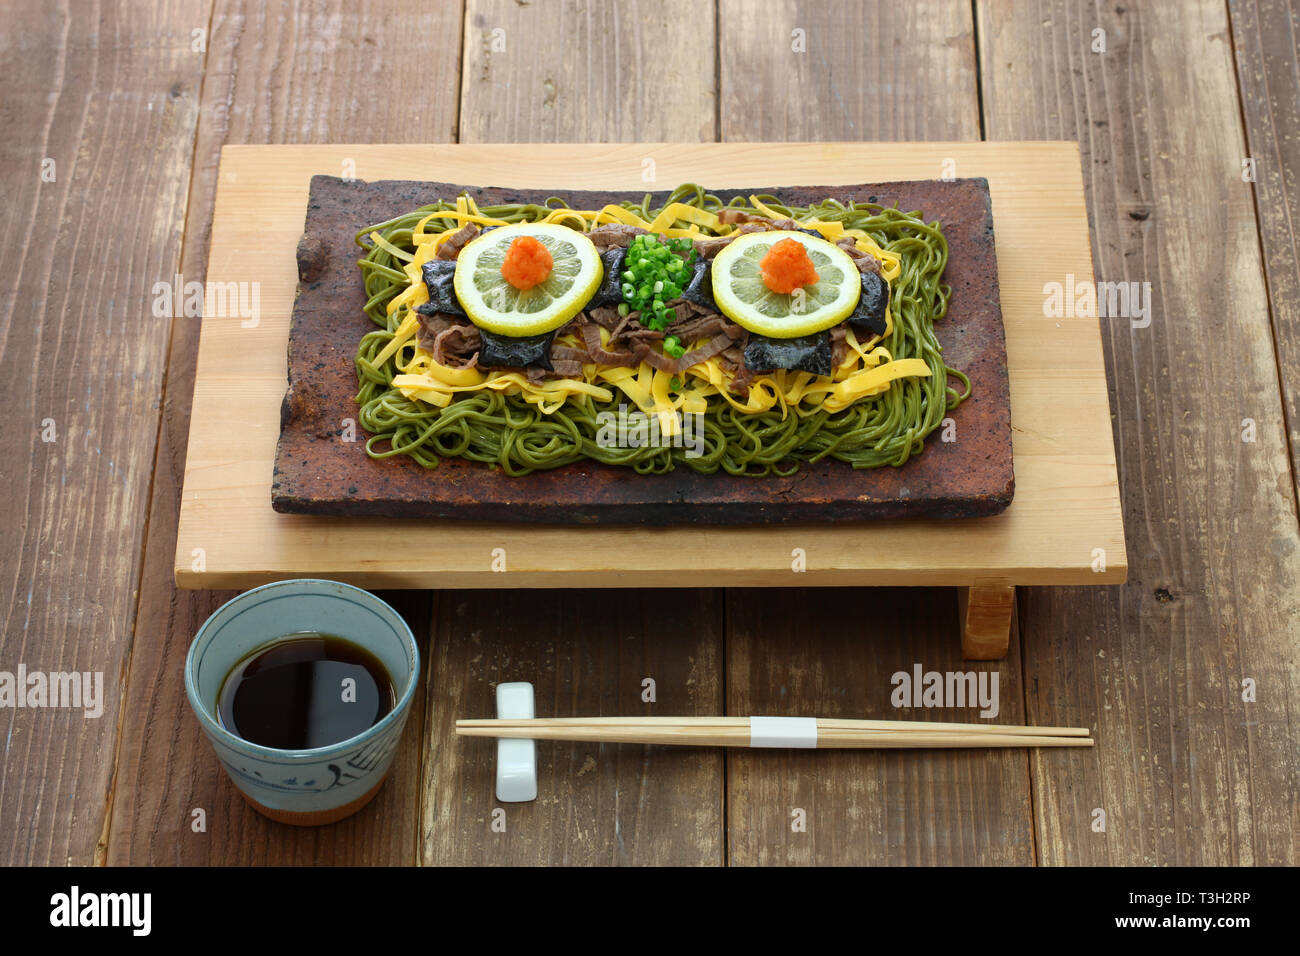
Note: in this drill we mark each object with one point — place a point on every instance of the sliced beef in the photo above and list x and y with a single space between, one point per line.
634 338
732 361
705 326
715 346
432 324
655 359
567 353
746 222
839 345
457 346
614 235
629 322
623 358
709 248
750 222
865 261
566 368
572 326
606 316
567 361
630 343
734 217
684 309
451 246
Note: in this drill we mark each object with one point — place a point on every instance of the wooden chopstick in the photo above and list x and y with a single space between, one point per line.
735 732
823 723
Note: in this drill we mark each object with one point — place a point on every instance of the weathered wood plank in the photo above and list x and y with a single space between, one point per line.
1185 770
573 71
835 653
865 71
99 110
310 72
1265 37
587 654
841 70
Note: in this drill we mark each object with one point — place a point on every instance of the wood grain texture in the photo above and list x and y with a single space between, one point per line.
587 654
110 98
1266 41
570 71
1067 496
295 73
1185 771
641 70
789 651
984 616
844 70
834 653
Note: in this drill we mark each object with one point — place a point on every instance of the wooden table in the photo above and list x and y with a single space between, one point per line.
1184 114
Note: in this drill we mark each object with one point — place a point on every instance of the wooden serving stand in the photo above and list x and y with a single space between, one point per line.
1064 526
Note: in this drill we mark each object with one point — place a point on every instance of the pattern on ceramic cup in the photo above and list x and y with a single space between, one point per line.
366 759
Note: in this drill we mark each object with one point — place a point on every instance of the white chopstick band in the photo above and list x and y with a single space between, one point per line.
798 732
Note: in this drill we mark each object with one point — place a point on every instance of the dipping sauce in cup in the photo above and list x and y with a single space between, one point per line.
303 688
304 691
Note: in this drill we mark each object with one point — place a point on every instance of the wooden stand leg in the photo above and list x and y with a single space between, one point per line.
985 613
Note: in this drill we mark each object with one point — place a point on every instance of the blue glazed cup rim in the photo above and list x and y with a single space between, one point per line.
236 742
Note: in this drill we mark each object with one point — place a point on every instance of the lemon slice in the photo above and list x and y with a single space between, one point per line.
741 294
492 303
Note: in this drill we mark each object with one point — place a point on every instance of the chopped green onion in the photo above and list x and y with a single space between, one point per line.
655 273
673 347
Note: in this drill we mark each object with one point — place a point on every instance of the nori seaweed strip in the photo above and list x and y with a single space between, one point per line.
869 315
807 353
700 289
502 351
439 276
610 291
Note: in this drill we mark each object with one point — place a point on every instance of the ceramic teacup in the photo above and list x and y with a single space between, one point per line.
325 784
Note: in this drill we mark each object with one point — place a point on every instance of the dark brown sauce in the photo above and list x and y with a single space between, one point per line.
305 691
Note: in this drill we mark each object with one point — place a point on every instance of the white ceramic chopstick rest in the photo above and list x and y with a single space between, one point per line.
516 758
